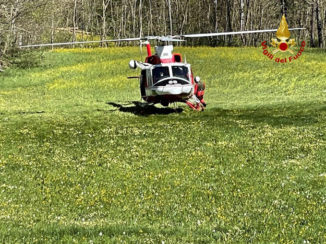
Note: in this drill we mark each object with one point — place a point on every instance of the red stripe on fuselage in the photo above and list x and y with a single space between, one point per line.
167 60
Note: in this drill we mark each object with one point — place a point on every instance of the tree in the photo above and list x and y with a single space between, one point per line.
61 20
105 5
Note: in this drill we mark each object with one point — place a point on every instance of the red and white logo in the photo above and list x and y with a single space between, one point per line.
283 44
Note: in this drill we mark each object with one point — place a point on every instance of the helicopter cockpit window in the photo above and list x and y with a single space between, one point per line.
181 72
160 73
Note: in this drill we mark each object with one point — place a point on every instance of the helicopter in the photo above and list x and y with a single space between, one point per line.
165 78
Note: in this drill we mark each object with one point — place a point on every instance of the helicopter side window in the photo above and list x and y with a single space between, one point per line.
181 72
160 73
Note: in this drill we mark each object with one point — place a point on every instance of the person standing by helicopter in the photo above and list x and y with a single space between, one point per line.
199 90
196 101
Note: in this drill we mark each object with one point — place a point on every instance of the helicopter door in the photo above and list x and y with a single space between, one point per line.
143 83
149 78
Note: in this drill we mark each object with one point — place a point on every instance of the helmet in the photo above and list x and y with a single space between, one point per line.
197 79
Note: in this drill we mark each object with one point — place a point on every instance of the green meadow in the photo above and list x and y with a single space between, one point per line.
80 163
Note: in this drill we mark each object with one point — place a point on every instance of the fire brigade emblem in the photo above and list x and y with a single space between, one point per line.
283 43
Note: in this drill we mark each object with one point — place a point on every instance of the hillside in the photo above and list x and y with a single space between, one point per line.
80 163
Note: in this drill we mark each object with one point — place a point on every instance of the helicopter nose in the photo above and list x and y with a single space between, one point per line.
132 64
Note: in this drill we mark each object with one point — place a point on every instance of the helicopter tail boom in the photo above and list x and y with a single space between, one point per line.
149 51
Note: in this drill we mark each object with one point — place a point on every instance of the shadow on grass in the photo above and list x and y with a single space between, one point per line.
59 232
275 116
143 109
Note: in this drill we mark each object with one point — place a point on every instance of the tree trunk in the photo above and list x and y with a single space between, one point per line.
9 34
74 22
150 29
319 25
312 41
164 16
185 18
242 20
324 28
140 19
103 34
228 21
246 22
52 24
283 7
170 18
215 16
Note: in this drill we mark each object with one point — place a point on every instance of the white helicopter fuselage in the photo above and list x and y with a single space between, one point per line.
169 79
164 77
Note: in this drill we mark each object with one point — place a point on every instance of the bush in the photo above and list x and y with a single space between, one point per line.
25 58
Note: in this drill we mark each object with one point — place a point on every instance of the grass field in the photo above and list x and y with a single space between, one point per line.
80 163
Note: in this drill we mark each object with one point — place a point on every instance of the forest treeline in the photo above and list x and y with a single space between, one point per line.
48 21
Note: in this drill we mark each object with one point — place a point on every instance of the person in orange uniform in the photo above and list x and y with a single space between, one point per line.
196 101
200 90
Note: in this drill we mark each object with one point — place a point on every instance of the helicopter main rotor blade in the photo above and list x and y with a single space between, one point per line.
231 33
83 42
176 38
147 38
